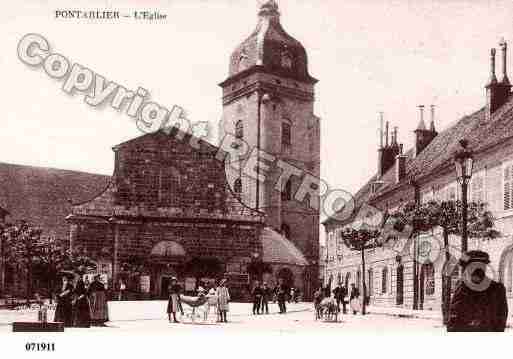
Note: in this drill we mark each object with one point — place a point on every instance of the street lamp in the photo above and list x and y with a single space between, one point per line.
464 163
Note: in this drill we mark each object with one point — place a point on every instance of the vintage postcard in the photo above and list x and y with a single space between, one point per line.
213 168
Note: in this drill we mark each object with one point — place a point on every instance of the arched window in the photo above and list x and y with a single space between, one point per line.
285 230
169 185
286 134
237 187
384 280
239 130
286 194
339 279
429 278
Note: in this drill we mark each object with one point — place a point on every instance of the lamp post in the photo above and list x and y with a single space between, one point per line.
464 163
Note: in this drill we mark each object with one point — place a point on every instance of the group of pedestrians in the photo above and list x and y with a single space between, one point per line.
261 294
340 295
81 304
216 299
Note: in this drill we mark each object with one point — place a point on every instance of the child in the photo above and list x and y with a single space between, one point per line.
211 303
223 298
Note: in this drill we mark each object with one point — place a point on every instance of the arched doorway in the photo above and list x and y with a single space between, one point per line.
166 261
506 269
288 277
450 276
427 282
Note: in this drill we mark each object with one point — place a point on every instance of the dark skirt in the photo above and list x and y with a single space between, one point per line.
99 308
82 313
64 313
173 304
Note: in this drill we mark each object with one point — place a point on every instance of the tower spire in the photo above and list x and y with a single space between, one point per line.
269 8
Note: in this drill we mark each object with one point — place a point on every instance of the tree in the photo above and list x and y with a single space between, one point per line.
26 249
448 216
21 248
359 240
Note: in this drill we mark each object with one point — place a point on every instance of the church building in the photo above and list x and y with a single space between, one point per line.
172 209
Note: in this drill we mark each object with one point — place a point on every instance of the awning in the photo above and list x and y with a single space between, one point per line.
278 249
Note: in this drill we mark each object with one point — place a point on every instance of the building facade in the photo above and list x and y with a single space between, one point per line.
268 104
175 209
425 173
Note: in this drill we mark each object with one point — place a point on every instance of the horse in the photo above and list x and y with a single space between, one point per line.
327 309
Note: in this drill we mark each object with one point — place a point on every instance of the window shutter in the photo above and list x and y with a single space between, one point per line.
507 187
478 189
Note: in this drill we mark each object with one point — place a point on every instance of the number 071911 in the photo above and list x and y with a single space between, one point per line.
40 347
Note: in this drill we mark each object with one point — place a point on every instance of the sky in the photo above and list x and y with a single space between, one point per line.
369 55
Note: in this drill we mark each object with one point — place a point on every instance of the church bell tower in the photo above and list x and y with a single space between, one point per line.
268 102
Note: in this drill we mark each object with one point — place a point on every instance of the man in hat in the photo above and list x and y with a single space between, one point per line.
257 298
266 294
478 303
283 291
174 303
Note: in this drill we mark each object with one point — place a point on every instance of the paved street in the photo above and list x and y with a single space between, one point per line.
150 316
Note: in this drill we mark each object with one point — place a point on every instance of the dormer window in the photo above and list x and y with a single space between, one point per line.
239 130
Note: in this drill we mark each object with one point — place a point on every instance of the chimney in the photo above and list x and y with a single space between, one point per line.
387 154
400 165
386 134
423 136
497 93
394 136
504 49
432 126
381 149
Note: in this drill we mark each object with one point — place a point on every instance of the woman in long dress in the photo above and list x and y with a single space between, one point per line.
98 301
223 299
354 299
64 309
211 304
173 304
81 307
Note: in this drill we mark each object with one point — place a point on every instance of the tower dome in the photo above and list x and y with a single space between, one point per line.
270 48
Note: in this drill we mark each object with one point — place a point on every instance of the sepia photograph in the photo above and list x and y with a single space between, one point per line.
208 176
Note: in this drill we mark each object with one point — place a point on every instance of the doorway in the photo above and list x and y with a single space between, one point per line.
164 287
400 285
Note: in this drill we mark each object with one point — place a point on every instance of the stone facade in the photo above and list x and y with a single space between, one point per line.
429 174
268 103
165 192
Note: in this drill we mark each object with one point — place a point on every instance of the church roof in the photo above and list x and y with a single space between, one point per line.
279 250
42 196
271 48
